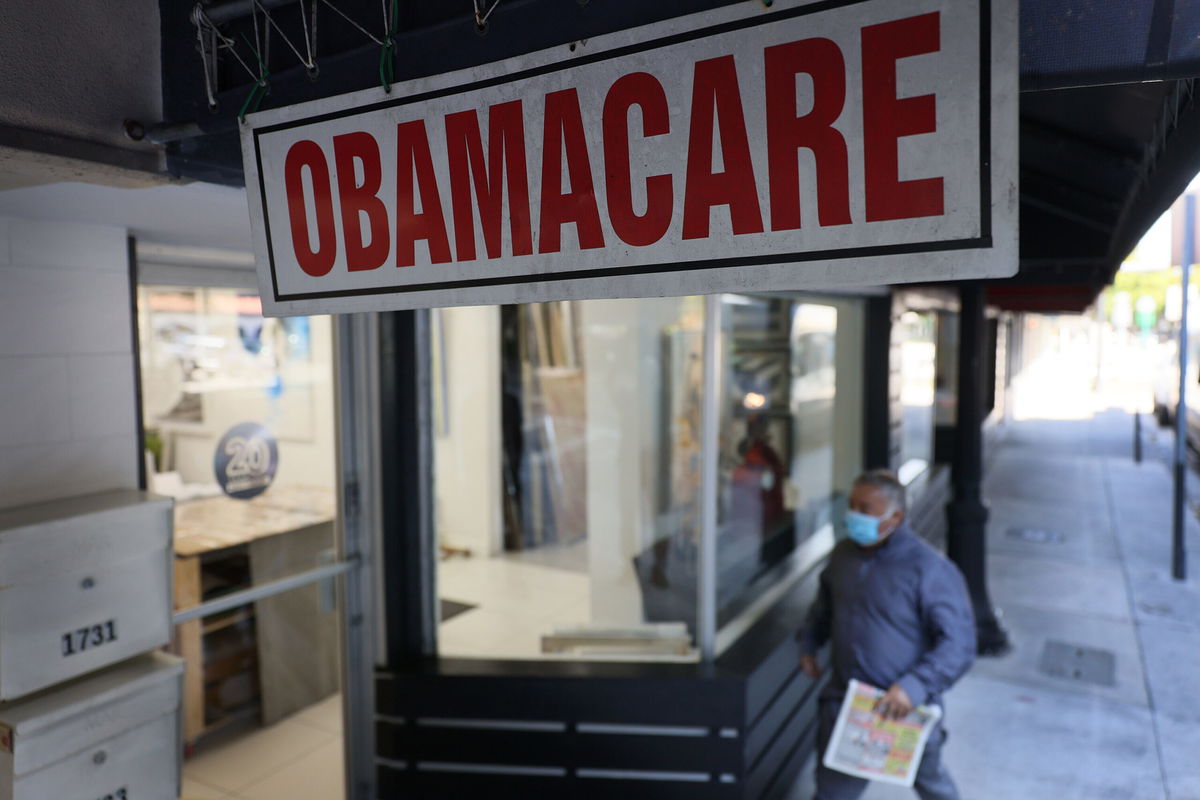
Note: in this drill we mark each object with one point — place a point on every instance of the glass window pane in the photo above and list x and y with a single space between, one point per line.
779 459
239 419
263 677
567 449
945 414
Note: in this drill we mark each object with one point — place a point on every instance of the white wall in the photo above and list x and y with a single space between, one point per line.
67 418
468 440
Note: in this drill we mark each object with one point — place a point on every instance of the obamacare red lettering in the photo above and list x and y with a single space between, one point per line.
643 90
489 184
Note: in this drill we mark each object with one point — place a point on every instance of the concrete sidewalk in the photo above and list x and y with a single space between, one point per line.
1093 574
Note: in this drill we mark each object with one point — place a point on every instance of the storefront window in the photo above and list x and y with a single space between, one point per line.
778 429
915 334
567 449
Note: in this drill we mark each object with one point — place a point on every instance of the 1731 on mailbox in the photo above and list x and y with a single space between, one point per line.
79 640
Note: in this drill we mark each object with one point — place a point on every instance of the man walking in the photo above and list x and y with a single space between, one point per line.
899 617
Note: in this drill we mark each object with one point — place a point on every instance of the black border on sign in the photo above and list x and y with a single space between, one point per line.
984 240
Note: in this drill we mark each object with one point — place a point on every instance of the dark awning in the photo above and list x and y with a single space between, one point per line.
1067 43
1110 136
1098 166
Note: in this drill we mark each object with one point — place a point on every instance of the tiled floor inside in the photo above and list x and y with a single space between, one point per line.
516 599
298 758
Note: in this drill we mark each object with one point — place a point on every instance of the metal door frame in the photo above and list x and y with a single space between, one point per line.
358 525
356 346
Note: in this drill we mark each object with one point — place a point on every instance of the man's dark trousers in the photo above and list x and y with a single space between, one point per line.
933 781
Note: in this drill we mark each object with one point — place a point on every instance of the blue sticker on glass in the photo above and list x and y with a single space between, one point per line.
246 460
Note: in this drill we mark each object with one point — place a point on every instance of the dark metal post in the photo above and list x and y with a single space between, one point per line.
966 514
408 557
877 401
1178 554
1137 438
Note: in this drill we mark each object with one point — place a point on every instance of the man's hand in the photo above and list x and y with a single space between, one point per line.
808 665
895 704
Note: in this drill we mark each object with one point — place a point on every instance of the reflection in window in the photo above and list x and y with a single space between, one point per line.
915 336
945 413
777 440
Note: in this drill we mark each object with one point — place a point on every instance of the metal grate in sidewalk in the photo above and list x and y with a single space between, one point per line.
1078 663
1036 535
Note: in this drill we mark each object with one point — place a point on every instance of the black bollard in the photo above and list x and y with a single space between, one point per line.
1137 438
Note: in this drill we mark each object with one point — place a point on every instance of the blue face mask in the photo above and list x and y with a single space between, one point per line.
863 529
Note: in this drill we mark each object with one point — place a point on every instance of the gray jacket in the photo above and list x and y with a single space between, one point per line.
898 613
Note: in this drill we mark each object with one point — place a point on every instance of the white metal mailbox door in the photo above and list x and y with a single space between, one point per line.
71 624
140 762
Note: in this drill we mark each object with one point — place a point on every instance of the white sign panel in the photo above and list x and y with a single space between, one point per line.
805 145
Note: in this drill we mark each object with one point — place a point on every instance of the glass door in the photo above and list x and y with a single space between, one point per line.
240 422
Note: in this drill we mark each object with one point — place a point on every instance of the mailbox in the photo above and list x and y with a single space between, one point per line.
84 583
113 734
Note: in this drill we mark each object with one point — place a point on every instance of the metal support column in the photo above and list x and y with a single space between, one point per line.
710 420
877 397
966 514
357 343
408 548
1179 500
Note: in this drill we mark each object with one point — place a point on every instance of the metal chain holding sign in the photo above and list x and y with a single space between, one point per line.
212 42
481 16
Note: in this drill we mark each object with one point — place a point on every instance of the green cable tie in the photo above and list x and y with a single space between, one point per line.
256 95
260 87
387 64
386 68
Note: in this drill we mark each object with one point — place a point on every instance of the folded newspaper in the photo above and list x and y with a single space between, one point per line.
866 745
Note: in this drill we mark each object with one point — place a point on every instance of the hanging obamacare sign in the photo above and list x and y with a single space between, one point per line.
805 145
